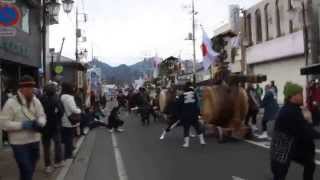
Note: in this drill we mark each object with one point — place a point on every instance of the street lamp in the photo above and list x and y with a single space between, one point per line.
67 5
51 8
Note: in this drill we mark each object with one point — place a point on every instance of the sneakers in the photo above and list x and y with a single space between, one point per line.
254 128
163 135
201 138
48 170
264 135
59 165
186 142
119 130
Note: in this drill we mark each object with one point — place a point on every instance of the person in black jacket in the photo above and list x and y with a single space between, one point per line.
189 112
52 131
293 138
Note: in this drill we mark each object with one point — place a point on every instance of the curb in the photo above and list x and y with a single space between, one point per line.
64 171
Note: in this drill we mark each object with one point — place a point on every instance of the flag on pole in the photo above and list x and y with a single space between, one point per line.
209 55
235 42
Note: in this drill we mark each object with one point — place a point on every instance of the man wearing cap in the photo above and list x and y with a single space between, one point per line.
23 117
293 138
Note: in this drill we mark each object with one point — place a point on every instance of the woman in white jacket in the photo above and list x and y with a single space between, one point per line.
68 129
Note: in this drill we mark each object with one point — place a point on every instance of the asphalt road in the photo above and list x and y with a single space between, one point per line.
144 157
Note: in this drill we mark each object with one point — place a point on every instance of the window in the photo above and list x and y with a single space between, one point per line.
258 26
278 19
25 19
248 29
290 4
291 30
268 21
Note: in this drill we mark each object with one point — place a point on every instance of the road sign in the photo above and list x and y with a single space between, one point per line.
58 69
9 15
7 1
8 32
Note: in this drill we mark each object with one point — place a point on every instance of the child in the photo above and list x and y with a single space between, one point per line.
114 121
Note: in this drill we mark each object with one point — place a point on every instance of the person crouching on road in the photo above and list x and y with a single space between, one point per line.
189 114
23 118
114 122
293 138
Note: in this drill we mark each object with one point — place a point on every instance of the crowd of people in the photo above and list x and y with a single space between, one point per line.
30 117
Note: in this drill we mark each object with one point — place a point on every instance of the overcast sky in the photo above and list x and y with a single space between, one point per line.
125 31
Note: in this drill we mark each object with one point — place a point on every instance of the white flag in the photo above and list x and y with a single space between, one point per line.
235 42
209 55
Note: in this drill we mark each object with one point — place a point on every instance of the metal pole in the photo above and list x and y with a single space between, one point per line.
305 38
59 57
44 40
194 43
77 40
52 70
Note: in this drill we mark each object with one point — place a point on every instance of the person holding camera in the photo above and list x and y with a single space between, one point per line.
23 118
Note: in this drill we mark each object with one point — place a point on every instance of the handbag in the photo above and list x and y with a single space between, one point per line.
74 118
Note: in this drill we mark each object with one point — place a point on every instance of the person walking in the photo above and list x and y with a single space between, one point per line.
271 109
274 89
259 92
293 138
189 112
254 105
143 102
23 118
70 119
52 131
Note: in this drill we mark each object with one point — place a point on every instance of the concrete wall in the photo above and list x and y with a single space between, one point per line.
281 72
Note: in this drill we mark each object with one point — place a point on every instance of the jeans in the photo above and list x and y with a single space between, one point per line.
46 141
26 156
67 138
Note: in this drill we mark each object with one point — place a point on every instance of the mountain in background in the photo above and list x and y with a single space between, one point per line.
124 74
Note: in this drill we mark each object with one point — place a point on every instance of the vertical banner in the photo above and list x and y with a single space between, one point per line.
234 18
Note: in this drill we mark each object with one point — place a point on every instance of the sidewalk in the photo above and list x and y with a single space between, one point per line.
9 169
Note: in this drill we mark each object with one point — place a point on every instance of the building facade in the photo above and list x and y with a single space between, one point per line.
274 41
21 54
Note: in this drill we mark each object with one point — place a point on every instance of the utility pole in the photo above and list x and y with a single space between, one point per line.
77 35
194 43
60 52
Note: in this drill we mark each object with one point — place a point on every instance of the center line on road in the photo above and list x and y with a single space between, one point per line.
122 173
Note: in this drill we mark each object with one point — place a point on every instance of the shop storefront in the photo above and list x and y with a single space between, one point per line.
21 55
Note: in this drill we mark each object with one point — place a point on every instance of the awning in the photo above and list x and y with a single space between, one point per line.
312 69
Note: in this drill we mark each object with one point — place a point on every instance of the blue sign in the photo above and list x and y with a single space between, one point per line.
9 15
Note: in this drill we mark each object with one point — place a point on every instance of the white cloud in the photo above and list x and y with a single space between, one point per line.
124 31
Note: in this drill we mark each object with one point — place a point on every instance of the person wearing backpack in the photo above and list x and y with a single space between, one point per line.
52 131
23 118
70 119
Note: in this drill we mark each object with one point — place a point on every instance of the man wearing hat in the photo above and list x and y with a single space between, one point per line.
293 138
23 117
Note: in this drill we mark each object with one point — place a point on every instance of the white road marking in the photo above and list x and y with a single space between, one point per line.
264 145
64 171
122 173
237 178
